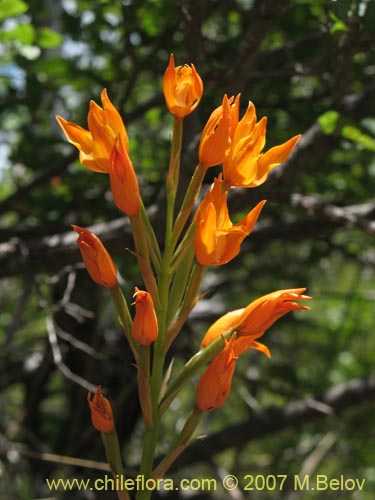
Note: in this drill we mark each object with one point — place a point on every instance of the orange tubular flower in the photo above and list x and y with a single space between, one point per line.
182 87
97 260
252 321
215 138
95 145
245 165
227 322
145 324
217 240
214 386
101 411
258 316
124 184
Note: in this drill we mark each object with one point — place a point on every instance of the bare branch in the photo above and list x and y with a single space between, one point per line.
352 216
273 420
58 359
51 253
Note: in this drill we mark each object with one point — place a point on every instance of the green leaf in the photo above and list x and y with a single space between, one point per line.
54 67
48 38
23 33
328 121
354 134
338 25
9 8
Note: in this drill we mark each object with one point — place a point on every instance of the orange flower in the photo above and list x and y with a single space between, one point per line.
214 386
248 324
227 322
97 260
101 412
258 316
124 184
245 165
95 145
243 344
215 138
252 321
217 240
182 87
145 324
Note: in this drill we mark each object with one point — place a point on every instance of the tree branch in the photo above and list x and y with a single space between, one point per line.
51 253
273 420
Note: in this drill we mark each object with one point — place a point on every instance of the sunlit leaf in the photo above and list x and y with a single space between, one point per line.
23 33
355 135
9 8
328 121
48 38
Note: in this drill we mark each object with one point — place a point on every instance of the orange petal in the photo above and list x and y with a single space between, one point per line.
113 119
205 236
228 321
124 183
76 135
214 386
277 154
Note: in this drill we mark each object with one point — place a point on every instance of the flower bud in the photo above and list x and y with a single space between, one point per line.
101 411
214 386
182 87
145 324
124 184
97 260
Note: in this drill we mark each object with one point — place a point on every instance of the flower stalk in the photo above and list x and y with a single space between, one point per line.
172 275
112 450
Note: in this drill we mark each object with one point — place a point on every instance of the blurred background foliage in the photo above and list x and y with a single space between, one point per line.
308 65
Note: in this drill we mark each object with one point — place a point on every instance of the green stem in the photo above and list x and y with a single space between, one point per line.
124 317
152 433
184 246
173 176
112 450
193 287
180 280
140 237
188 203
182 443
144 389
164 281
152 240
192 367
